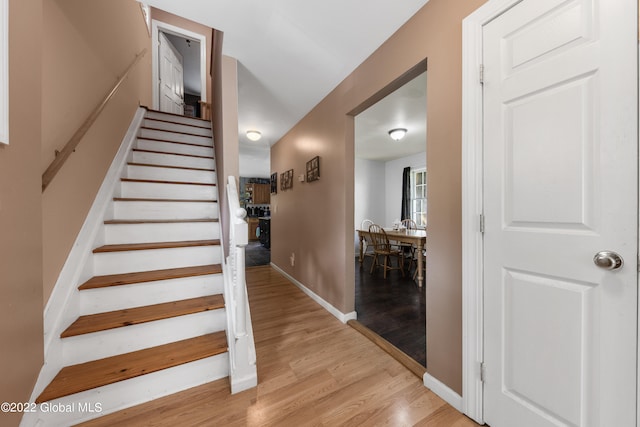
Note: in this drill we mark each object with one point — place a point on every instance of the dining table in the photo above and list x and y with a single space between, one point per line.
403 235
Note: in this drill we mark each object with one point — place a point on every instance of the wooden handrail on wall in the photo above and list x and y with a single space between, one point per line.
70 146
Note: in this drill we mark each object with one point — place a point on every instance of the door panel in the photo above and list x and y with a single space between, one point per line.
171 77
560 185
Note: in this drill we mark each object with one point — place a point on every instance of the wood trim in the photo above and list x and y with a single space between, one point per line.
134 316
155 245
97 373
417 369
472 205
405 78
71 145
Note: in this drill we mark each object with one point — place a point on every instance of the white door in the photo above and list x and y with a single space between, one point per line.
171 77
560 185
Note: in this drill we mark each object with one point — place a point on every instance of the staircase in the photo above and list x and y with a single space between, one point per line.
151 317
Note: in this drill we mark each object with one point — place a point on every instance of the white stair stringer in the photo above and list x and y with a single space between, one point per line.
179 209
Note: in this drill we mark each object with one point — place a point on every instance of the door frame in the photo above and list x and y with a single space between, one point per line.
156 28
472 209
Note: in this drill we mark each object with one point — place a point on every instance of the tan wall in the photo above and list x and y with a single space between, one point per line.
20 206
86 47
186 24
315 220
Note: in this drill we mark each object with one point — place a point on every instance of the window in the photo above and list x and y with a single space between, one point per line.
4 71
419 196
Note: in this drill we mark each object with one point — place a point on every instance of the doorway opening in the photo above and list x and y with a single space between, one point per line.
179 70
392 308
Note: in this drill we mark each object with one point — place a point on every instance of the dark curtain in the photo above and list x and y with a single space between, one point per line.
406 194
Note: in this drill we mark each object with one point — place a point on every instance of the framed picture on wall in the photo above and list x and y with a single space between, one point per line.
313 169
274 183
286 180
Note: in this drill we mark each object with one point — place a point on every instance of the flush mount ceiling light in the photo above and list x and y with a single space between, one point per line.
397 134
254 135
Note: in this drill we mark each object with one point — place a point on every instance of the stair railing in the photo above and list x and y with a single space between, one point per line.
242 355
70 146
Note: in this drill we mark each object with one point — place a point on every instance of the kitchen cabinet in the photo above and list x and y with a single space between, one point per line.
259 194
253 225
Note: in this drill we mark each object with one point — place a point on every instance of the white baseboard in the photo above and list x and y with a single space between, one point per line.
344 318
442 390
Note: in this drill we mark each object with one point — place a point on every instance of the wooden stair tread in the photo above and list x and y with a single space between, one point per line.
157 221
174 131
157 181
179 123
155 245
140 199
134 316
86 376
170 167
141 138
172 154
149 276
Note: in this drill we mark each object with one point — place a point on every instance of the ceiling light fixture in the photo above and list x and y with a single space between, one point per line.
397 134
254 135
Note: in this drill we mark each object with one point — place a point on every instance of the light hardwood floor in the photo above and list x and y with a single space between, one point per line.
312 371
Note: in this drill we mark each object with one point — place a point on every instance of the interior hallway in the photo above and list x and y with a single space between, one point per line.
312 370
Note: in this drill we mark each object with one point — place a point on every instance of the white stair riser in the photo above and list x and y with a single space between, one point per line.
171 147
165 210
124 394
154 190
154 259
158 124
163 232
172 160
178 137
178 119
99 345
170 174
139 294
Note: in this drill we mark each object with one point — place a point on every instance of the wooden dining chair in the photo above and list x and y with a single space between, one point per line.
409 224
382 247
367 249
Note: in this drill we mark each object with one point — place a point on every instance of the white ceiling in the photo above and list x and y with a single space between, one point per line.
404 108
292 53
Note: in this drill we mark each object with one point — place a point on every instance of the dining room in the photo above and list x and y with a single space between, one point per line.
390 216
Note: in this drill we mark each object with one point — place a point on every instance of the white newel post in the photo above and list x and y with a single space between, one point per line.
243 372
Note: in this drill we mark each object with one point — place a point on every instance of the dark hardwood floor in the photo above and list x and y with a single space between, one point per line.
394 308
256 254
